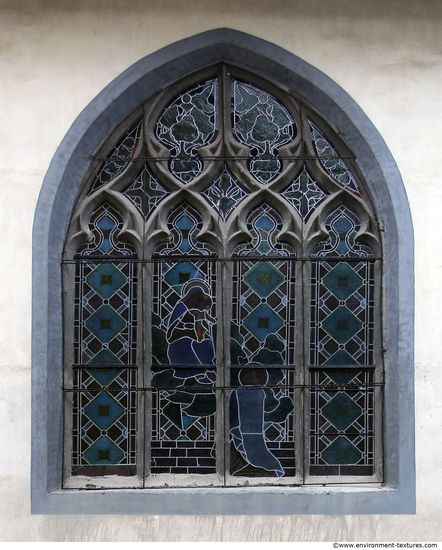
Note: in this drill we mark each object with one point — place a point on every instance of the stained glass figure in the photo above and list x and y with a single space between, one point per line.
262 330
304 194
185 125
145 192
262 123
183 351
225 193
119 158
105 325
342 423
330 160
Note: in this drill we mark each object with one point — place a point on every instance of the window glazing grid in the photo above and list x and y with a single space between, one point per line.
236 352
186 429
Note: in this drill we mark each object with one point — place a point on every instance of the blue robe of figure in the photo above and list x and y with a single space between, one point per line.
189 333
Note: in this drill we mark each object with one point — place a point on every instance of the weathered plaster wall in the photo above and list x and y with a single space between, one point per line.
56 56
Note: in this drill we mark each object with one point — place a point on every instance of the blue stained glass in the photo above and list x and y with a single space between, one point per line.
104 227
184 224
341 325
263 321
187 124
105 324
341 411
103 451
263 278
106 280
343 226
330 160
104 410
342 281
264 225
341 451
262 123
247 430
342 422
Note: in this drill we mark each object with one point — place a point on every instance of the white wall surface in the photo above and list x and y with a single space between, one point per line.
56 56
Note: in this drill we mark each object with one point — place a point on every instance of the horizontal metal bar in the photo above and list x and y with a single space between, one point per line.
104 366
233 259
211 389
221 158
351 367
168 366
211 367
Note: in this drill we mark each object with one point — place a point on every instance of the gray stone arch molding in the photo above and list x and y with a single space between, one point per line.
57 198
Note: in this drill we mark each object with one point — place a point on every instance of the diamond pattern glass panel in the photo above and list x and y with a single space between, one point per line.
341 423
105 325
342 324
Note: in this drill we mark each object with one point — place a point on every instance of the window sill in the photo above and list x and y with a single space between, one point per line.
326 500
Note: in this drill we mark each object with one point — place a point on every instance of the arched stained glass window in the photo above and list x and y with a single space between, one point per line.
222 275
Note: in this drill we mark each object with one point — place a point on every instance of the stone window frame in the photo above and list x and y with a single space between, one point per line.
58 196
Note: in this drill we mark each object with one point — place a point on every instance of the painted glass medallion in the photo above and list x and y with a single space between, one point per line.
304 194
105 325
262 349
119 158
329 158
262 123
183 351
187 124
225 193
145 192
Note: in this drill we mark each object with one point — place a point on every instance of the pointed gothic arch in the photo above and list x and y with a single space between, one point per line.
65 181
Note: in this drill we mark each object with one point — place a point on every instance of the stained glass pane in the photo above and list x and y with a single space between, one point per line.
105 325
183 352
341 339
304 194
264 226
262 123
185 125
225 193
341 317
145 192
329 158
343 227
262 342
342 423
119 158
